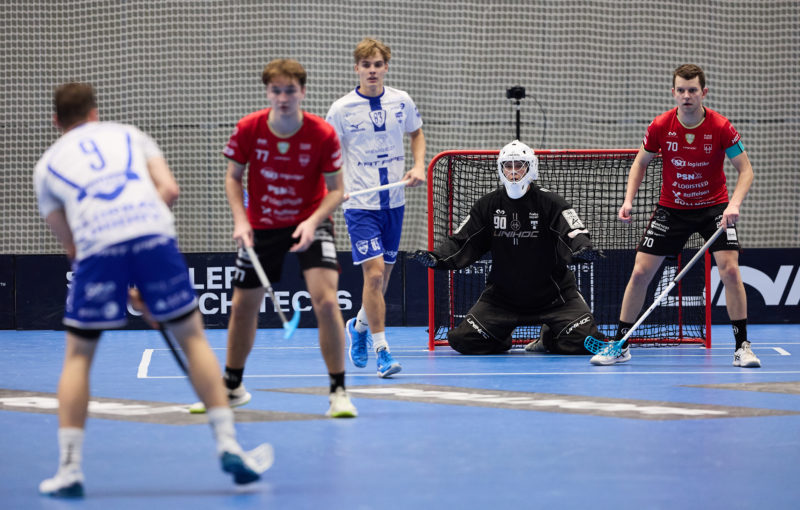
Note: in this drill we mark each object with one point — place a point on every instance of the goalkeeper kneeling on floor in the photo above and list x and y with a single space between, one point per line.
532 234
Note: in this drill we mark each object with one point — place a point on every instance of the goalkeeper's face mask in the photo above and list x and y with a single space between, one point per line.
517 166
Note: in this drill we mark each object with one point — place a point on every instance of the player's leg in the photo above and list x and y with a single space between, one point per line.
163 281
736 302
486 329
320 268
322 284
73 405
569 325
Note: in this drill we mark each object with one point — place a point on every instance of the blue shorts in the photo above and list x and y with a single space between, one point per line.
374 233
98 295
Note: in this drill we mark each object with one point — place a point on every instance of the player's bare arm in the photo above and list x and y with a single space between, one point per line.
234 190
57 221
635 177
164 181
731 213
416 175
304 233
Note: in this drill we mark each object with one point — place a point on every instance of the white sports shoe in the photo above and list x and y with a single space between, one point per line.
67 483
605 358
744 357
247 467
237 397
341 407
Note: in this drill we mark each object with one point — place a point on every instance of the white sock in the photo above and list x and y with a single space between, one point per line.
379 341
361 321
221 421
70 448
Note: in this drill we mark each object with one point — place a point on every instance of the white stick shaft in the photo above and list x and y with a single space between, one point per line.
377 188
262 276
672 284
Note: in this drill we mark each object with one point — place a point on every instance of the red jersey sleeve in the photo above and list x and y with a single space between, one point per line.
331 153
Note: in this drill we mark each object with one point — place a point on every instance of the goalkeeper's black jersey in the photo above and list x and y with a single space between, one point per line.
531 241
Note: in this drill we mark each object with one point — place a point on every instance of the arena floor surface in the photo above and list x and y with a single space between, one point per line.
673 428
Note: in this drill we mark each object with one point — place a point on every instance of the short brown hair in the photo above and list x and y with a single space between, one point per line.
286 67
688 72
367 47
73 102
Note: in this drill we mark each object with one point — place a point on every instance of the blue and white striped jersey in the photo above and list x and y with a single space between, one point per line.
371 132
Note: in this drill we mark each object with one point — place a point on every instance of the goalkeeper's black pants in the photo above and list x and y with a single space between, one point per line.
487 328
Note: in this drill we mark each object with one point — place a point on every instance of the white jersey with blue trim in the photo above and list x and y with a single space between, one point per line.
97 172
371 132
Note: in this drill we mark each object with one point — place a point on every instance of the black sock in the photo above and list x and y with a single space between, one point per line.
233 377
337 380
622 330
739 332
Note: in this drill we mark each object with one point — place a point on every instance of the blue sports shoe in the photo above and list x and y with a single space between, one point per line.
387 365
360 344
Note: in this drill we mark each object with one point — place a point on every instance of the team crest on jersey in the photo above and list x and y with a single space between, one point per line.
707 147
283 147
362 246
689 137
304 159
378 117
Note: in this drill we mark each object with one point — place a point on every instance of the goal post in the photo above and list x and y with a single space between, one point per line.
594 182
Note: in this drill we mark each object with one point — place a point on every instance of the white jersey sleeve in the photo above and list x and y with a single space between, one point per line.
98 174
371 131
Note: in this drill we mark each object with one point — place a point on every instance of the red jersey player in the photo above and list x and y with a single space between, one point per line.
294 183
693 141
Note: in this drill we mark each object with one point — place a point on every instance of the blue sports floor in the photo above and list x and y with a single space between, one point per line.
675 428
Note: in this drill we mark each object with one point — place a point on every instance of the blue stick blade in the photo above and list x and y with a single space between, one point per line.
291 325
594 345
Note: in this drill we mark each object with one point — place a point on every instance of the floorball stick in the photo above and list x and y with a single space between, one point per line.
377 189
594 345
288 325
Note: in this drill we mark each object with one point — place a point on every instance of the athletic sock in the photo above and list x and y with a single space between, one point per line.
739 332
221 421
70 446
233 377
361 324
622 330
379 341
336 381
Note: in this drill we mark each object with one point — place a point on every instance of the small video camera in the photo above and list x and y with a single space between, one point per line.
516 92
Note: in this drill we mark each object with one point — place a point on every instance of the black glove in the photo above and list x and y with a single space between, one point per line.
426 258
587 254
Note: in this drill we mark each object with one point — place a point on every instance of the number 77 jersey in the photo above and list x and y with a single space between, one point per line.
693 158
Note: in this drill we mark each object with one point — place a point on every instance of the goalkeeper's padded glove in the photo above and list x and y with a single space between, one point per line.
426 258
587 254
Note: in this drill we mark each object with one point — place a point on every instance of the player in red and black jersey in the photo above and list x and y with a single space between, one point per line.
693 141
294 183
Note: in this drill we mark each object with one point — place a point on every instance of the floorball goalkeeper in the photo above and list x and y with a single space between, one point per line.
532 234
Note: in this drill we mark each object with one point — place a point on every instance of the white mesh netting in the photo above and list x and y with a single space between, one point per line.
596 74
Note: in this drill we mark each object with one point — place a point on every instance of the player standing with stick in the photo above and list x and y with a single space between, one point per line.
693 141
371 121
294 182
105 190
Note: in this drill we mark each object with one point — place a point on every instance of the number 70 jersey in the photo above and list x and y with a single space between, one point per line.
97 172
371 131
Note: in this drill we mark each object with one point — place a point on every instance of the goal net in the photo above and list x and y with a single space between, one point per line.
593 181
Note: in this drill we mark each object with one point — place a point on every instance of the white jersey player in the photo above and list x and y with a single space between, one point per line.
104 190
371 122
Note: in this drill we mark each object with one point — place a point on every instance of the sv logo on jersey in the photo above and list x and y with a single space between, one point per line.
378 117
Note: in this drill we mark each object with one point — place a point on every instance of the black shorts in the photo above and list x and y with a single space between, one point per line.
487 328
271 247
669 229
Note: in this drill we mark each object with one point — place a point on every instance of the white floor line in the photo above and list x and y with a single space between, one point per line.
144 364
782 352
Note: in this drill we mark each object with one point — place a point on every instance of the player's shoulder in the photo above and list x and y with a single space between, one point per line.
393 94
253 118
346 101
317 124
665 118
716 118
547 196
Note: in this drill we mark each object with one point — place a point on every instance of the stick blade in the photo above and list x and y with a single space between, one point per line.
594 345
291 325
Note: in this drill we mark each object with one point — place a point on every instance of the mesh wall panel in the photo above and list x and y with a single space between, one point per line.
589 180
596 74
